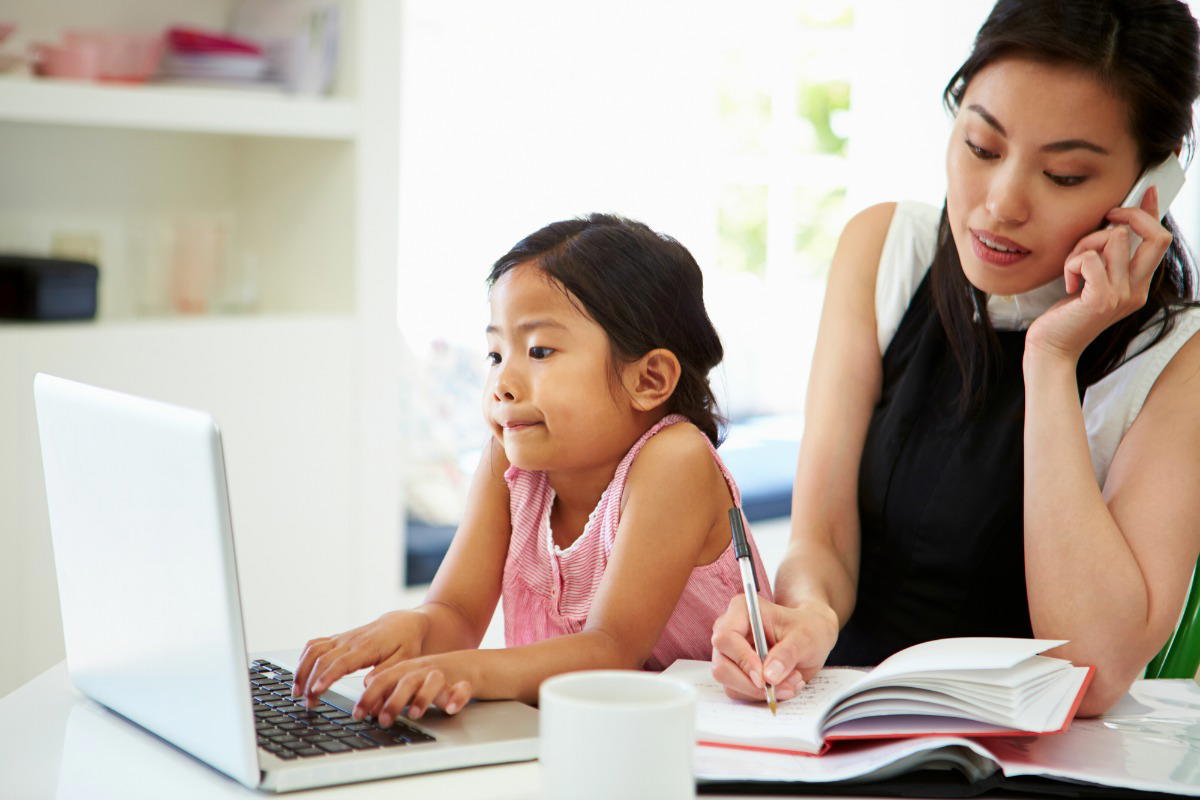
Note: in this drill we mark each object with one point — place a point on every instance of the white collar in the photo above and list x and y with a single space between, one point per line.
1016 312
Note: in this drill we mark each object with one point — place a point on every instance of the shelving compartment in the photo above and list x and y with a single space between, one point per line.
282 208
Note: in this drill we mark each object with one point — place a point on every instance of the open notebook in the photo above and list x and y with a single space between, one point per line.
968 686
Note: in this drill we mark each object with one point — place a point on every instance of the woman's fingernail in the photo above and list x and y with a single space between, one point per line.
774 672
756 678
415 712
451 707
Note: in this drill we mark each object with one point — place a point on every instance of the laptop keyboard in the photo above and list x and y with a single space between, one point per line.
287 729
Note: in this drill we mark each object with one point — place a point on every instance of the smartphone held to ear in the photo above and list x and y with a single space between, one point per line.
1167 176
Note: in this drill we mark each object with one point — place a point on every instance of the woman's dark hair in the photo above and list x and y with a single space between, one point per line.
643 288
1146 53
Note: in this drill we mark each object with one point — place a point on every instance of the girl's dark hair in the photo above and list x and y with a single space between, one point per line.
1146 53
643 288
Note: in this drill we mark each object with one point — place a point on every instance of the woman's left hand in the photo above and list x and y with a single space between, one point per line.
445 680
1113 284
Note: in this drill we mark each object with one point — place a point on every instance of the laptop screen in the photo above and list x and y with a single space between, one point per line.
143 549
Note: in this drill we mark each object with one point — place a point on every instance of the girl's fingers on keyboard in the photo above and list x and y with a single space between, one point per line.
323 672
313 649
373 697
341 663
427 691
455 698
399 698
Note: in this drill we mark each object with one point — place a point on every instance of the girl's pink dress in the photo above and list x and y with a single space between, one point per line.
548 591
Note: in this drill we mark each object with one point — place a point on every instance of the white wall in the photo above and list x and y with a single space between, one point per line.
899 128
518 114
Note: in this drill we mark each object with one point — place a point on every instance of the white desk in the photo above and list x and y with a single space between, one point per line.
56 743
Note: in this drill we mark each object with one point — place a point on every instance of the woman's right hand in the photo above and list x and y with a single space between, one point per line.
394 637
799 640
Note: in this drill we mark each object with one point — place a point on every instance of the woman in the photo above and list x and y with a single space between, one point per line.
1029 471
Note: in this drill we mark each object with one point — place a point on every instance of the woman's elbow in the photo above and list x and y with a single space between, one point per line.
1109 684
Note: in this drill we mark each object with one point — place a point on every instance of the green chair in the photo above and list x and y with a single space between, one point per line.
1180 657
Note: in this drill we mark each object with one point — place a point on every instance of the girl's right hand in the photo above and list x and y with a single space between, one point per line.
799 639
394 637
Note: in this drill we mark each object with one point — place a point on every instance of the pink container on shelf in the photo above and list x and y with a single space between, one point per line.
81 62
126 57
195 41
101 55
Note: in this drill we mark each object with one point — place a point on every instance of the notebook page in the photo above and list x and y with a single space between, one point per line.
998 702
875 702
798 722
967 653
1006 681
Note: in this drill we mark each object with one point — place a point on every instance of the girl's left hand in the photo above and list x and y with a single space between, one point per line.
444 680
1114 285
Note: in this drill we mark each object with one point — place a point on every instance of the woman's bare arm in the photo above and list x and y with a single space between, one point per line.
1109 569
817 582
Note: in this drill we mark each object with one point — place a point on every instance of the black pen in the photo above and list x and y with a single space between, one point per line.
741 548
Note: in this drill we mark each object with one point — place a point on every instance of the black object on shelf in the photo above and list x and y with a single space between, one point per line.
33 288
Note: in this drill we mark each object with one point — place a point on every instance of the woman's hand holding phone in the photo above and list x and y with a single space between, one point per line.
1106 279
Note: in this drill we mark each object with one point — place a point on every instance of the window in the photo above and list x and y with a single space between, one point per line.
727 129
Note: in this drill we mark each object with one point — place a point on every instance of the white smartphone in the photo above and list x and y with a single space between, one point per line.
1168 177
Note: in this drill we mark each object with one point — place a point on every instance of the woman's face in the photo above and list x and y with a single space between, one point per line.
1039 154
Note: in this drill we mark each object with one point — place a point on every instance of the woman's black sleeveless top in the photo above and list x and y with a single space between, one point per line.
940 500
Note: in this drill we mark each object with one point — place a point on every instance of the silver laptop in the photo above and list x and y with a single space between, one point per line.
152 618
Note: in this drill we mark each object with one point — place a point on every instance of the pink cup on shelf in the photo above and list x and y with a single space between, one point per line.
100 55
124 57
81 62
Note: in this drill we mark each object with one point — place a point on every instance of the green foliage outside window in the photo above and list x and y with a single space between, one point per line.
817 103
797 154
742 228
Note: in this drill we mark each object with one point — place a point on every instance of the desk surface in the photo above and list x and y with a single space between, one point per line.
56 743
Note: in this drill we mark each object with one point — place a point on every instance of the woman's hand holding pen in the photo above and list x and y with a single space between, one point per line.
392 638
799 639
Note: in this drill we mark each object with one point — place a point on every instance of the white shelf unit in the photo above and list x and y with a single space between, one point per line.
187 109
304 388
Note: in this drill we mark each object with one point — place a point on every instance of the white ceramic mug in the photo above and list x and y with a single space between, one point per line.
617 734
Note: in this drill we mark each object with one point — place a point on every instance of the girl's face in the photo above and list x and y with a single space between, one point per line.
550 397
1039 154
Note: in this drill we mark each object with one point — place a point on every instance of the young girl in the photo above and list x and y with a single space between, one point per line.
599 508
